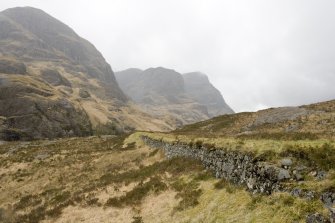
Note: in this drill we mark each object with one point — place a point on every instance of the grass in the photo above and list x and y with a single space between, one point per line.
188 192
137 219
175 166
320 152
93 173
135 196
322 156
241 206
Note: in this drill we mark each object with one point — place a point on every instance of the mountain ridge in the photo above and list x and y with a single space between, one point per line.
161 92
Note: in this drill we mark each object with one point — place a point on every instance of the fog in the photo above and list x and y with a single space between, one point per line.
259 54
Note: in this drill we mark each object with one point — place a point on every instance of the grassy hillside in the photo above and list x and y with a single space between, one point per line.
119 179
314 121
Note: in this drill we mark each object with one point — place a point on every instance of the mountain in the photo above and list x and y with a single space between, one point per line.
53 83
198 87
166 94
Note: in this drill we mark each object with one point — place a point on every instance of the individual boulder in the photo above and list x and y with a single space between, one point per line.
84 94
286 163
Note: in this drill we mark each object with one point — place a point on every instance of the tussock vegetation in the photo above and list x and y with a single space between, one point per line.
135 196
188 192
50 180
54 175
309 122
175 166
322 156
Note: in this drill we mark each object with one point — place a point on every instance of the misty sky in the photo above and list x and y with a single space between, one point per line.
259 53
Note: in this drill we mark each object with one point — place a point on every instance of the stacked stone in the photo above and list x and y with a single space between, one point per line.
236 167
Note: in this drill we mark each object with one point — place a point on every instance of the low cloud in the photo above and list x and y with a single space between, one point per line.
259 53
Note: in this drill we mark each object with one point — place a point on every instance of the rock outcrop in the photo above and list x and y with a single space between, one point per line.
32 112
198 87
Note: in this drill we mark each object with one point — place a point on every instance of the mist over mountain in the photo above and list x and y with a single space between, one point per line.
54 83
164 92
198 87
157 145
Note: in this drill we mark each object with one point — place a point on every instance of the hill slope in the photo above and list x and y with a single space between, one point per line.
54 83
308 121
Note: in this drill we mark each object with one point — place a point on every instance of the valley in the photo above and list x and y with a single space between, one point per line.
82 143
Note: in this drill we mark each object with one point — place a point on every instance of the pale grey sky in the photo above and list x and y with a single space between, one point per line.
259 53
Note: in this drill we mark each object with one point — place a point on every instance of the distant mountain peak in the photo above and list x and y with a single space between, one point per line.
189 97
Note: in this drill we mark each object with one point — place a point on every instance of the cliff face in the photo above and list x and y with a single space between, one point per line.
168 95
152 86
198 87
53 83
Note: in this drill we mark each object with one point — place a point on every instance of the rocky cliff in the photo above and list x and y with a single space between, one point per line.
168 95
53 83
198 87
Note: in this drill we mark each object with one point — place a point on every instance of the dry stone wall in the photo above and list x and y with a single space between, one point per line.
239 168
243 169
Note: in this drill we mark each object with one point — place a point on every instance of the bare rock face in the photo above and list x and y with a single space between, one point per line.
53 40
152 85
198 87
166 93
43 64
54 78
32 113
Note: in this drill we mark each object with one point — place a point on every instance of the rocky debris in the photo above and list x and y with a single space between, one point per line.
332 215
299 172
328 198
303 193
286 163
12 67
297 175
316 218
321 175
283 175
280 115
84 94
54 78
